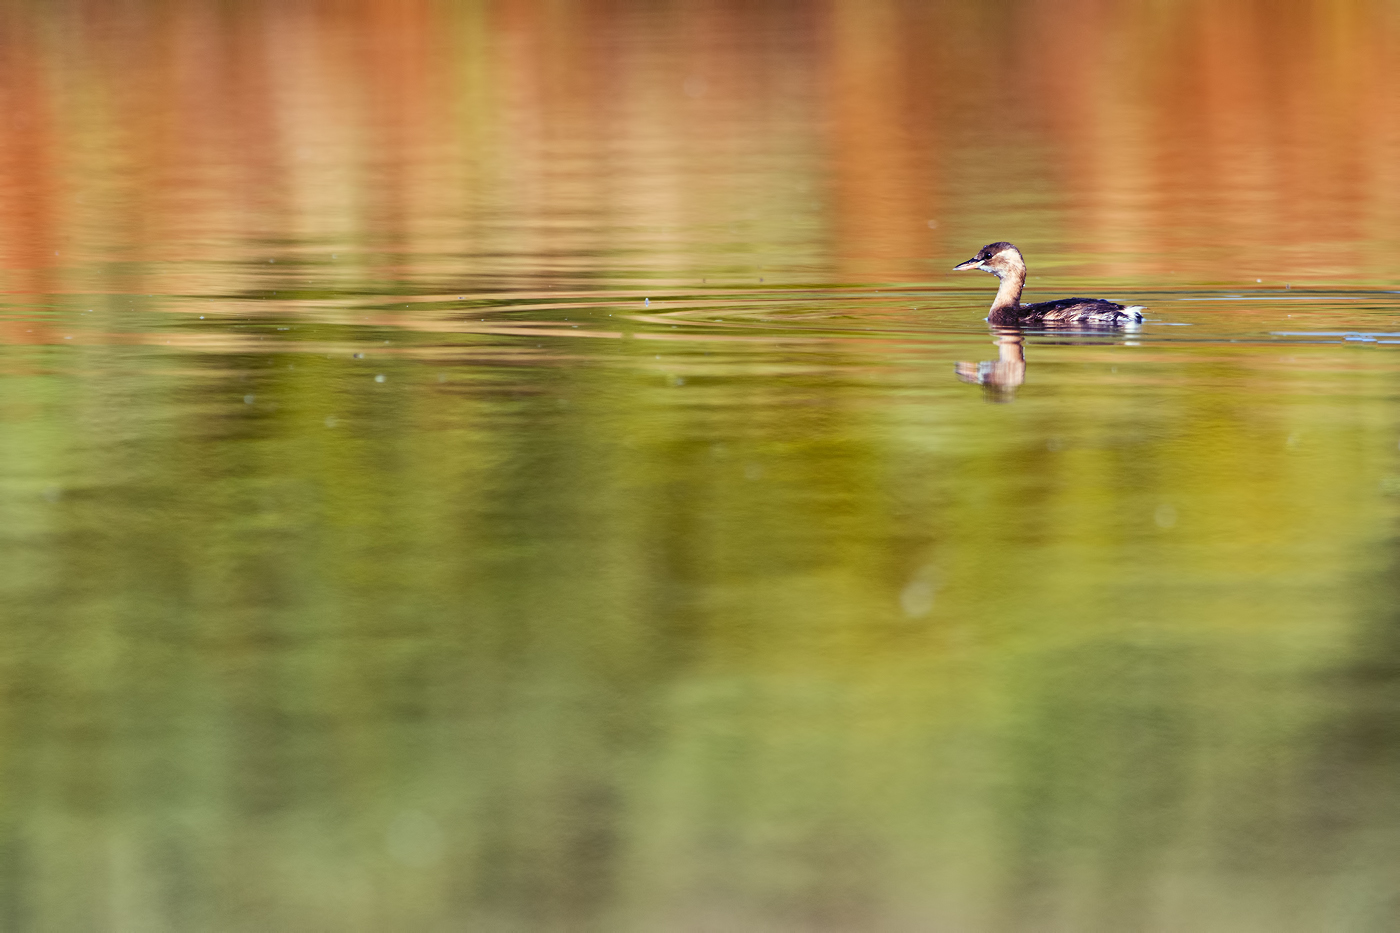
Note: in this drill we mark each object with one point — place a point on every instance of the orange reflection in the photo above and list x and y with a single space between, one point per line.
172 149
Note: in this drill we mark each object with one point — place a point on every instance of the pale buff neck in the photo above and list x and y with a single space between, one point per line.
1009 293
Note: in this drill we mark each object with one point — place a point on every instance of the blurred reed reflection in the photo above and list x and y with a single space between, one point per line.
175 149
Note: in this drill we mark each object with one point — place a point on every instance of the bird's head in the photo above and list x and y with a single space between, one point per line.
1000 259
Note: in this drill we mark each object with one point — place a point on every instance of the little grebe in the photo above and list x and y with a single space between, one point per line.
1004 261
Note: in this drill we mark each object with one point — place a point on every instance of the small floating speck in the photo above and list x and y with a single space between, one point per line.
379 378
249 399
332 421
359 356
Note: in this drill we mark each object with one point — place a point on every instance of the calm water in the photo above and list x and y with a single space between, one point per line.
502 467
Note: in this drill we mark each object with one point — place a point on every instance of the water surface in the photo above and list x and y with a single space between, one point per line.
502 467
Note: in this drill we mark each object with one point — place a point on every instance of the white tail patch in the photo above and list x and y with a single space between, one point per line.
1134 313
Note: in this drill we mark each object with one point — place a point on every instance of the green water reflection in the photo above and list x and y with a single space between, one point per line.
659 634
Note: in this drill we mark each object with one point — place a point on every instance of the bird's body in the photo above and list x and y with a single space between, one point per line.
1096 312
1005 262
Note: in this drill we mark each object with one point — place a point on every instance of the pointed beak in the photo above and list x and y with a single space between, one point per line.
973 263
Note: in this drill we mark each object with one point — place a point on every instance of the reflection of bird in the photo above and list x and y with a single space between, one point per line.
1004 261
1003 376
